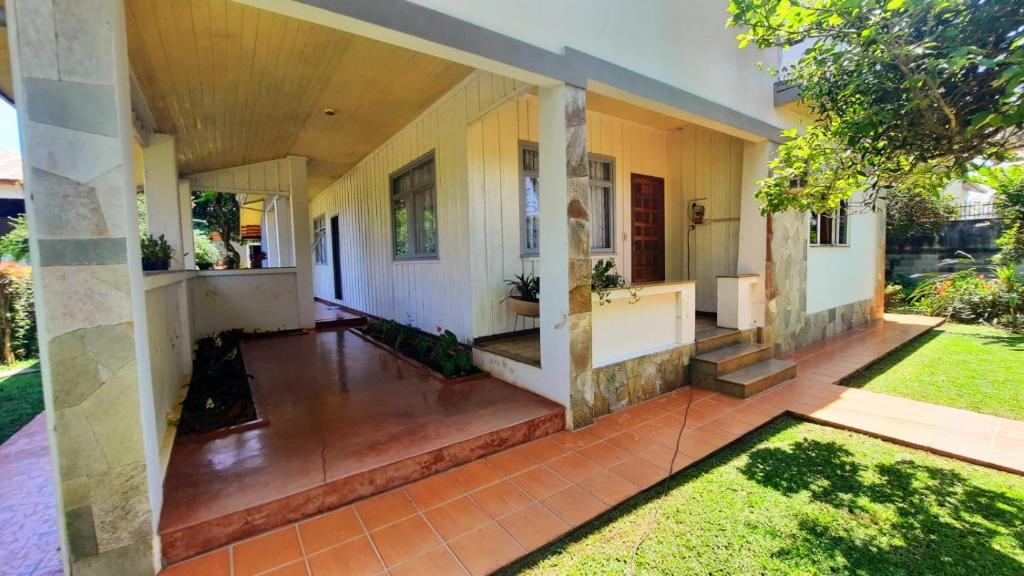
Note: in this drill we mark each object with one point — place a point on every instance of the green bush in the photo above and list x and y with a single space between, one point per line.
990 294
207 253
23 337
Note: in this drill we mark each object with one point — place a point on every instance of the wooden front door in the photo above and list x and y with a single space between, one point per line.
648 228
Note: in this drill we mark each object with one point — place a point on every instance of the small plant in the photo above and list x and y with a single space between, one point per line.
156 253
604 279
524 287
990 293
451 356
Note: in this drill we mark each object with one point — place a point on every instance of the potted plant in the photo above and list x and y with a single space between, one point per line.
156 253
524 295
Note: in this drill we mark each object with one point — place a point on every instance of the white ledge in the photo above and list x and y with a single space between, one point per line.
247 272
626 292
161 278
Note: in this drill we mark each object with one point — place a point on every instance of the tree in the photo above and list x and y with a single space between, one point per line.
911 211
14 244
902 92
221 213
1008 183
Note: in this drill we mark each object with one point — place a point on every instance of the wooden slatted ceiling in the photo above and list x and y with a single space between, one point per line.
6 79
237 85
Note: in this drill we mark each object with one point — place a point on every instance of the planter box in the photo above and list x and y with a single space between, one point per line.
524 307
412 362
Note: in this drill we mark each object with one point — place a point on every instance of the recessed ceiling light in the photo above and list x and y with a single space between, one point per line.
329 112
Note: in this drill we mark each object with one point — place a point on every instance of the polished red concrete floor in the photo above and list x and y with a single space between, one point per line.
347 419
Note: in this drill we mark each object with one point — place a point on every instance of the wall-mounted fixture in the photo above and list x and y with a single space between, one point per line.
329 112
696 212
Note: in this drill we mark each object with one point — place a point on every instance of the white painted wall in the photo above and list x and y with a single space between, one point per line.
252 300
683 43
838 275
170 346
661 319
426 293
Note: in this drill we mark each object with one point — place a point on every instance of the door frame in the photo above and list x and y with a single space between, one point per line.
633 178
335 232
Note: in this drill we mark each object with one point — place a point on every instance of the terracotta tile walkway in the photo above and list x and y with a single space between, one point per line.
29 543
477 518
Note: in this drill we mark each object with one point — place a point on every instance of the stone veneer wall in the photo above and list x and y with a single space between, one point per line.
71 84
626 383
790 327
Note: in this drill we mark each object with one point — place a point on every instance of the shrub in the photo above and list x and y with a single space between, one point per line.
207 253
17 313
990 294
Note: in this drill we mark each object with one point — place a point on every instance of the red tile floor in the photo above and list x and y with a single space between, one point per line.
29 543
347 420
478 517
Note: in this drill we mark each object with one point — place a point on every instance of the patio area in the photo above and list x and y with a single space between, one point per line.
478 517
347 420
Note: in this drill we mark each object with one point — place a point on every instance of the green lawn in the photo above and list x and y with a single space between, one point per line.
797 498
21 398
973 367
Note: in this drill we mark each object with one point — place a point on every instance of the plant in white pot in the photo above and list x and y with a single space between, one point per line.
524 295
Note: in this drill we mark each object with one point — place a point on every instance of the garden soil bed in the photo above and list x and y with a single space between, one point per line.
219 396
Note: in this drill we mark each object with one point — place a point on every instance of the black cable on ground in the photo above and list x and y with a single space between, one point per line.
664 488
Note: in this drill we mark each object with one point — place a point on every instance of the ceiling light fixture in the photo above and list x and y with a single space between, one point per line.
329 112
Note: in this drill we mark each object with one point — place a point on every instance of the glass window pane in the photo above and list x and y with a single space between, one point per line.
814 227
827 229
426 224
844 217
531 214
400 219
531 161
600 217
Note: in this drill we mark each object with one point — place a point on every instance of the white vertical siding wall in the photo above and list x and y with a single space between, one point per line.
694 162
423 293
495 188
703 164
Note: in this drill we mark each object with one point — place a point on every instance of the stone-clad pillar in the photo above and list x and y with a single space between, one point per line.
71 90
566 352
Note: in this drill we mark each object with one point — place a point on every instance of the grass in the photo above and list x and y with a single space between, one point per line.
21 398
973 367
798 498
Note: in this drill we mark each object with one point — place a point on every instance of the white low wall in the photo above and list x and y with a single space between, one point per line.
661 319
252 300
170 347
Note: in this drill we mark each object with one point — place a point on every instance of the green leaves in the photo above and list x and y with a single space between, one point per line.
896 88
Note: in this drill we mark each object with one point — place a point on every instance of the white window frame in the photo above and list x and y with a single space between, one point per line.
815 224
609 184
320 239
415 226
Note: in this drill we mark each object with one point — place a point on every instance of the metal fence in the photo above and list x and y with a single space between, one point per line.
976 211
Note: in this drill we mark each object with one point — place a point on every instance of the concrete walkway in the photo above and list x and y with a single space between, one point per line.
477 518
29 543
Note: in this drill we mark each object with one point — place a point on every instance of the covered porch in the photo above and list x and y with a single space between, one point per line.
347 419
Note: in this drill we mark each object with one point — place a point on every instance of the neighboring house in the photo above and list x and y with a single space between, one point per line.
409 157
12 196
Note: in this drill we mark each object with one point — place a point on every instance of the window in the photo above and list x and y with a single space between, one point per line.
602 205
830 228
602 201
320 239
414 210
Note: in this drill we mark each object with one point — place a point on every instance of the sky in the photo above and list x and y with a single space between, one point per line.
9 139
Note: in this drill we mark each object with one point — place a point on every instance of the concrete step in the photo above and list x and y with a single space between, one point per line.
746 382
730 358
715 338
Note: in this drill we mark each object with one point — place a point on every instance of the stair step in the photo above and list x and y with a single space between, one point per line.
731 358
755 378
715 338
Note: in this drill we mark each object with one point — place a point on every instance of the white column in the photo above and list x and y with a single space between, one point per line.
285 244
163 206
188 247
302 241
753 238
